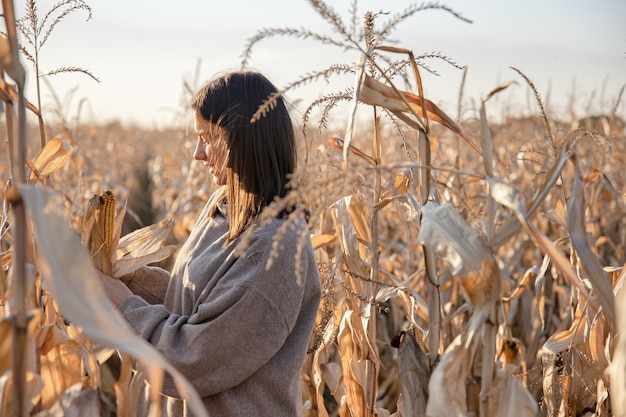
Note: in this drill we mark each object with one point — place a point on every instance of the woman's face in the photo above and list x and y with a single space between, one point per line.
211 148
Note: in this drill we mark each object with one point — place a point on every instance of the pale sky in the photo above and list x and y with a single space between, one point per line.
142 50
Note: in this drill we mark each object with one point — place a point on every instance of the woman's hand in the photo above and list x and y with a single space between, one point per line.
115 289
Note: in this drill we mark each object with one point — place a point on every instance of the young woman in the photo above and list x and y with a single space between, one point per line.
236 325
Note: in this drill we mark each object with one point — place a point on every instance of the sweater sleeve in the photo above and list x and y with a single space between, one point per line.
233 332
150 283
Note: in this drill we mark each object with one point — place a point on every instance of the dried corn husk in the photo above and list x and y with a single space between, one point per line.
100 230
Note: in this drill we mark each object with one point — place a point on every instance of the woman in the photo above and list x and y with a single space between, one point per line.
236 325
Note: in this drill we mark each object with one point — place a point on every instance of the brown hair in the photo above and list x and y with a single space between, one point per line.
261 154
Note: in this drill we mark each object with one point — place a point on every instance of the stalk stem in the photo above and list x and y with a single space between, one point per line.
434 305
373 389
18 304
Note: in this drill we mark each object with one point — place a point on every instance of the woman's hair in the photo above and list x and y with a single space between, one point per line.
261 154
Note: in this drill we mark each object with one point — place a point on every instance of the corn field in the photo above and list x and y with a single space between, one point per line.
468 267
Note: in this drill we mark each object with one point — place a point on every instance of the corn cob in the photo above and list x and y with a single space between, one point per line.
97 230
106 218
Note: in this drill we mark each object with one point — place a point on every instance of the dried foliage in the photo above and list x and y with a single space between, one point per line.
468 267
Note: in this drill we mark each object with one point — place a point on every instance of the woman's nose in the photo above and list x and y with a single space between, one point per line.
200 152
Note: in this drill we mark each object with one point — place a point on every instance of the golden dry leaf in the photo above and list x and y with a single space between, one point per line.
344 212
378 94
332 375
498 89
33 387
323 240
359 220
5 260
529 275
5 345
359 363
590 263
559 342
317 384
617 369
61 359
415 306
413 373
401 184
510 197
444 230
128 388
358 85
53 156
343 215
508 397
337 144
88 219
70 277
447 394
6 341
76 401
7 92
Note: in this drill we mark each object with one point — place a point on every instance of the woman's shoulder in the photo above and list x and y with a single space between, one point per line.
290 227
277 236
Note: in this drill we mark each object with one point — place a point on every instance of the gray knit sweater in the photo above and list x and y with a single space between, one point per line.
235 328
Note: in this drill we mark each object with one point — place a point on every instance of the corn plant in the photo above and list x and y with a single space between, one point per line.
421 255
36 31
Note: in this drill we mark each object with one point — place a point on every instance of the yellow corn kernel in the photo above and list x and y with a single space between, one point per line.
106 217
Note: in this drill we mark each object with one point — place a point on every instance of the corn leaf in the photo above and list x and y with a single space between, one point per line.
76 401
323 240
617 369
358 85
447 395
413 374
356 352
401 183
452 238
509 397
375 93
61 359
53 156
578 235
33 387
511 198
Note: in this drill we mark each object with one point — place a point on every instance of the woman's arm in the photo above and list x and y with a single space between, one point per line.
150 283
236 330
